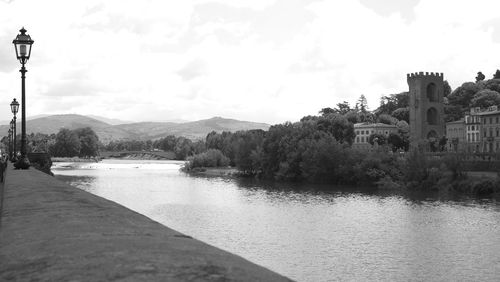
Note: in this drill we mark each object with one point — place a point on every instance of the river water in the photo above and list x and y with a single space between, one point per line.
306 232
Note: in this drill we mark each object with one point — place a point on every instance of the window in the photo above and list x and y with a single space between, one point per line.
357 132
432 93
491 120
477 136
496 120
357 139
473 138
485 133
491 132
484 120
473 127
432 116
498 132
468 137
362 139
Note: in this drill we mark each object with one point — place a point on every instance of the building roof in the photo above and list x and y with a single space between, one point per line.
456 122
487 113
373 125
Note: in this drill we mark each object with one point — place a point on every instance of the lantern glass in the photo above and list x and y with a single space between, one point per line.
22 44
14 106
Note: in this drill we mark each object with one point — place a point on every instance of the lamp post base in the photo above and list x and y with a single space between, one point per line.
22 163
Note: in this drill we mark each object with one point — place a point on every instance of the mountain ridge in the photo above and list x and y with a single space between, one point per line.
134 130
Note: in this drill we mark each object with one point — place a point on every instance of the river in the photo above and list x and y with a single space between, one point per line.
309 232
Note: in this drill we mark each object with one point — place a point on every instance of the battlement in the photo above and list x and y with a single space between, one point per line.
424 74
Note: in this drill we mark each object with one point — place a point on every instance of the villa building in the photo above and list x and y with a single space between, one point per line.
472 130
455 133
364 130
490 130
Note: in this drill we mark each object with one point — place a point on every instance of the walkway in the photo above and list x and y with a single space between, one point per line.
50 231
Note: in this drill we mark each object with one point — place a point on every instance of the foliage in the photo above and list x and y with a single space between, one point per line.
210 158
485 98
402 114
387 119
463 95
376 137
89 142
496 75
67 144
480 76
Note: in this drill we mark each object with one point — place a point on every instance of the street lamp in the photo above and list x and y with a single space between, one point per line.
10 144
13 157
14 107
22 44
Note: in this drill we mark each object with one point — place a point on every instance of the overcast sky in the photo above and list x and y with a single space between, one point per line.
258 60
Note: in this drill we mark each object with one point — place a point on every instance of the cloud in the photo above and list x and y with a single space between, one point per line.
262 60
192 70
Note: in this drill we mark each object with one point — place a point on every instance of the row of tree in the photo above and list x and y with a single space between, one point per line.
81 142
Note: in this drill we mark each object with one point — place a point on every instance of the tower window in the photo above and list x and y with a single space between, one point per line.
432 116
432 92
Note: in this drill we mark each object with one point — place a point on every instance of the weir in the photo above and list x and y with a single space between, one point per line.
50 231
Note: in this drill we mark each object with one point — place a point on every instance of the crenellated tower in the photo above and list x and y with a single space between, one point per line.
426 107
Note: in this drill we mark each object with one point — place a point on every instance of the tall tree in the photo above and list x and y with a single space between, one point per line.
496 75
67 144
362 104
480 77
89 142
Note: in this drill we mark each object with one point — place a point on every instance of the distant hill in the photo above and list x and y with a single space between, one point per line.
134 131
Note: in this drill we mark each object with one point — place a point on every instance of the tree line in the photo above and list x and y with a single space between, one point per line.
81 142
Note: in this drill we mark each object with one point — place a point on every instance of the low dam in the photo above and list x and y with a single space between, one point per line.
50 231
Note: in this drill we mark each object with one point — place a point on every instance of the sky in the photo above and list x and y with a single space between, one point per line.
259 60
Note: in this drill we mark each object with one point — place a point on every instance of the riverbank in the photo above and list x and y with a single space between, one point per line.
51 231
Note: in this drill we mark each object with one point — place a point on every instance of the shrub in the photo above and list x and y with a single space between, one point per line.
210 158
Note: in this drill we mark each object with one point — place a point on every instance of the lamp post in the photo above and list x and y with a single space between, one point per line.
14 107
10 144
22 44
13 157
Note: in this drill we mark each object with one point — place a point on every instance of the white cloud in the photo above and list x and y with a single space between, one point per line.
266 60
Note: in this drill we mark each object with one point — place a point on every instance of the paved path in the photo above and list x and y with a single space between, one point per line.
50 231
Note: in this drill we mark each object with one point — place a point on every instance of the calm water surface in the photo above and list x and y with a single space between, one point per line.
305 232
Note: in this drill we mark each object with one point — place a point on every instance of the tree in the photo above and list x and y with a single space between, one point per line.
342 108
362 104
485 98
379 138
392 102
89 142
67 144
402 114
463 95
496 75
480 77
396 142
386 119
326 111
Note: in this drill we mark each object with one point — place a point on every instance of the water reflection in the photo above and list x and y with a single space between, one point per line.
312 233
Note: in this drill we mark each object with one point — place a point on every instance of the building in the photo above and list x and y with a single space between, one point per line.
364 130
455 133
472 123
426 107
490 130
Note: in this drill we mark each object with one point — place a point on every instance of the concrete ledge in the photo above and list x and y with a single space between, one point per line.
50 231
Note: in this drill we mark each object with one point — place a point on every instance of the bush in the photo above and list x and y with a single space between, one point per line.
210 158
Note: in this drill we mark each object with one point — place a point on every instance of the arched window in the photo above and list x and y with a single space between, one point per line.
432 116
432 92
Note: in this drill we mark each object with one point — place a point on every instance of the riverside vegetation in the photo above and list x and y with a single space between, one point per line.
317 148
